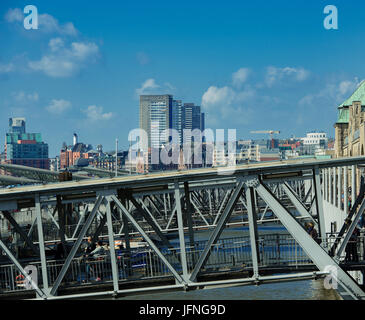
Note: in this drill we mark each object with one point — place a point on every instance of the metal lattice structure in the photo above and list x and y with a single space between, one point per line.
177 205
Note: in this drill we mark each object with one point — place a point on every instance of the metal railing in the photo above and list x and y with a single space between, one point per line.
143 263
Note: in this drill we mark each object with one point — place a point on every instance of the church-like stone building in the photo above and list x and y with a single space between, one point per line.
350 126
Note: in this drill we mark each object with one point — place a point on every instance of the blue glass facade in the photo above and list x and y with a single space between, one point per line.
25 148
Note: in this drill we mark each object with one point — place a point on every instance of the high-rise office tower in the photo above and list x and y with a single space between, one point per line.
23 148
176 118
158 113
191 119
154 118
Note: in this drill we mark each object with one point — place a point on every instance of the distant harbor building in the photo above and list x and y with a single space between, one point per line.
79 153
55 164
350 127
316 139
70 154
257 150
22 148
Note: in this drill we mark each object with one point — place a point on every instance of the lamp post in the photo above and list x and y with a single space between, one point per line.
116 157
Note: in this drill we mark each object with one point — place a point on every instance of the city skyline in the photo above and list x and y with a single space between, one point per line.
84 69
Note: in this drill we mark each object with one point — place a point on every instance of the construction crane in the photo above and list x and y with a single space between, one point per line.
271 132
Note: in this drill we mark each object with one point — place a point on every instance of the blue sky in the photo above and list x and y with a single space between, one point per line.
251 65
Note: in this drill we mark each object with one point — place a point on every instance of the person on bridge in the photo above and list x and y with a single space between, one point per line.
312 231
98 252
90 245
351 248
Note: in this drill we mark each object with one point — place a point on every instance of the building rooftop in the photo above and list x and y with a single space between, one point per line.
343 115
358 95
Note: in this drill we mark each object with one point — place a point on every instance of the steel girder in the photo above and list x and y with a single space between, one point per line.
178 200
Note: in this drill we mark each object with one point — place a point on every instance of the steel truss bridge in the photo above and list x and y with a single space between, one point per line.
182 218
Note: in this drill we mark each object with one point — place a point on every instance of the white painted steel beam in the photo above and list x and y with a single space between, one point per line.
148 240
314 251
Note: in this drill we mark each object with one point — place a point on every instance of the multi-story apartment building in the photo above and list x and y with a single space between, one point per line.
27 149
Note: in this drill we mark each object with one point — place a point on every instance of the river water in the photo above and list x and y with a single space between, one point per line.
297 290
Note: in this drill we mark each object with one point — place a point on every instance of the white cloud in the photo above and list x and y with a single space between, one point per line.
347 87
276 75
226 103
6 68
23 97
58 106
46 23
332 93
65 62
240 76
147 86
215 96
14 15
150 86
95 113
56 44
50 24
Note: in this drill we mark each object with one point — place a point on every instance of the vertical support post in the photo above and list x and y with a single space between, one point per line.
334 186
330 182
325 184
112 246
164 205
181 231
61 220
353 185
252 220
189 213
319 205
210 202
339 184
41 245
345 192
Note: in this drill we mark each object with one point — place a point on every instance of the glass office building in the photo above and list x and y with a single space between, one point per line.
22 148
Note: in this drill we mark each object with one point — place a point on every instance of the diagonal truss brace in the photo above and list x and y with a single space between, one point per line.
297 203
147 238
76 245
218 229
314 251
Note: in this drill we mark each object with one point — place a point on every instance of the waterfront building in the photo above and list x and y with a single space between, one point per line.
70 154
54 163
350 126
22 148
316 140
